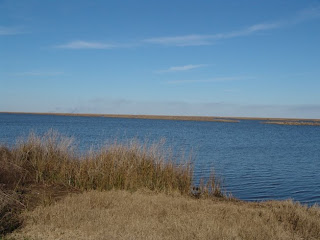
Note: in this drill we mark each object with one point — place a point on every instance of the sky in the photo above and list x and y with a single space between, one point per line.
248 58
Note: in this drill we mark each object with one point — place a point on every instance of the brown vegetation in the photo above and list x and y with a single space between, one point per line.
52 160
154 117
148 215
297 123
50 165
160 201
10 208
172 117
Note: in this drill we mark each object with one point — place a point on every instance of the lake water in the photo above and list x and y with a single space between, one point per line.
256 161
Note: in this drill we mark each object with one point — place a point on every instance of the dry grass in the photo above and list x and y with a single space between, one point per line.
160 203
51 159
10 209
147 215
10 204
50 165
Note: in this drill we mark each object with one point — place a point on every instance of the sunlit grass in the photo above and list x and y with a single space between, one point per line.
126 191
53 160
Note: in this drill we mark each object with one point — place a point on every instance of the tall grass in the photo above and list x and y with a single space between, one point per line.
52 159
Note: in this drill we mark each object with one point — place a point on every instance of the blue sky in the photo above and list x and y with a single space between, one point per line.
212 58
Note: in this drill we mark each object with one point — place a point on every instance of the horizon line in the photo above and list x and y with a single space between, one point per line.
158 116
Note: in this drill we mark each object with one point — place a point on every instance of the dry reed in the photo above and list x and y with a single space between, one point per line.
52 159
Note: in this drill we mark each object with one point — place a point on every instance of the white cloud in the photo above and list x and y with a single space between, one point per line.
183 68
208 39
231 90
192 39
86 45
309 13
38 73
217 79
263 26
198 40
187 40
9 30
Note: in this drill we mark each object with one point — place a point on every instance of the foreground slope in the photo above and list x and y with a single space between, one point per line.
149 215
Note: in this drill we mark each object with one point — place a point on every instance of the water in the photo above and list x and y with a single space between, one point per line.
256 161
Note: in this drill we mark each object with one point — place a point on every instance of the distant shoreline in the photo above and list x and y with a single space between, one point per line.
294 123
284 121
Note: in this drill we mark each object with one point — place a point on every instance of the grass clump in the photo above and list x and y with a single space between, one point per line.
52 159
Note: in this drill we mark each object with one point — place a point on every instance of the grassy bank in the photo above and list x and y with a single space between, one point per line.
128 191
44 168
150 215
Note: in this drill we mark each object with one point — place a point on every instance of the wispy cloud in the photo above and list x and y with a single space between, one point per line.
10 30
186 40
231 90
217 79
208 39
38 73
192 39
198 40
183 68
87 45
309 13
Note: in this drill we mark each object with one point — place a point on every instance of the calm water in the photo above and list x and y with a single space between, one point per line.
256 161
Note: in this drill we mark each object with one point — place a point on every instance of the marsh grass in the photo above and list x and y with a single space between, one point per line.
150 189
53 160
10 209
